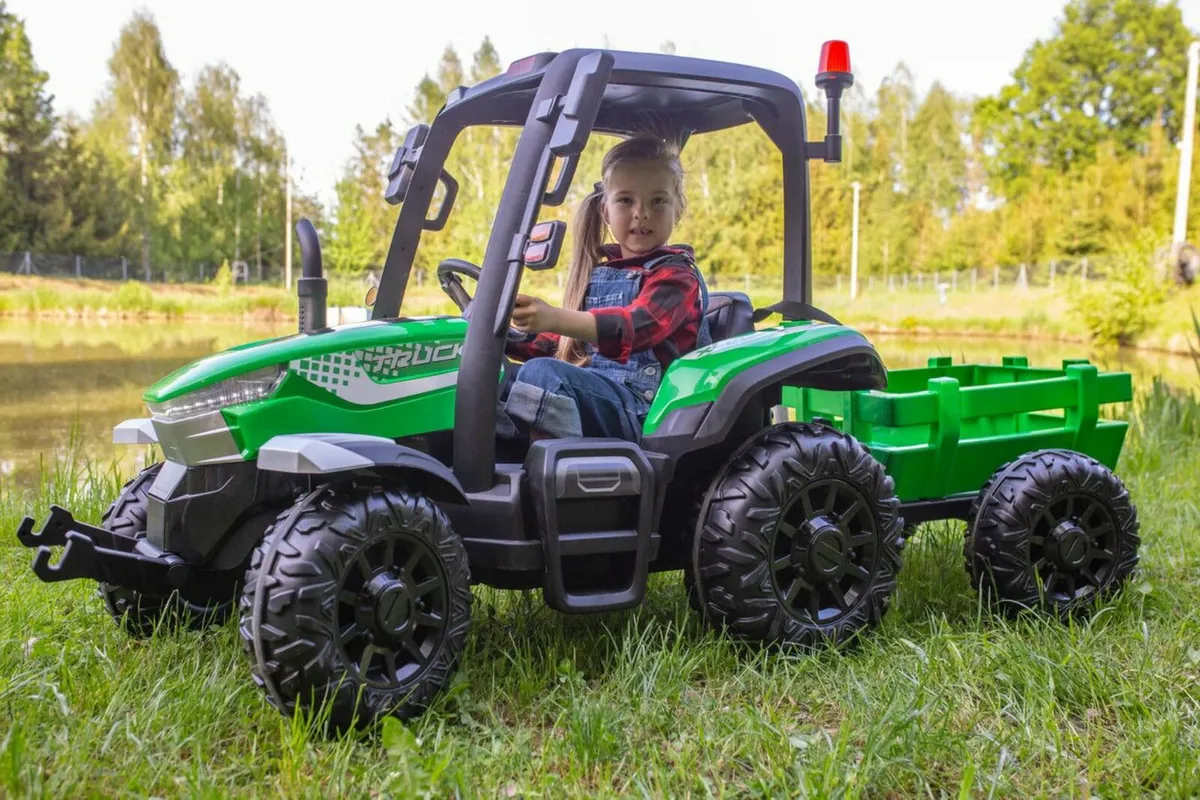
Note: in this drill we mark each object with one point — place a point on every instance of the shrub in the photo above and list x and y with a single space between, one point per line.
223 280
1122 308
134 296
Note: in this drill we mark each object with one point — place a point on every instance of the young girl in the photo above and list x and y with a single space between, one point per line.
629 310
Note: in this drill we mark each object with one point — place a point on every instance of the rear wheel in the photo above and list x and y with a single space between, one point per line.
799 541
358 600
139 612
1055 530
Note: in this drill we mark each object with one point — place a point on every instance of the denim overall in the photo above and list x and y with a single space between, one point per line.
605 399
642 373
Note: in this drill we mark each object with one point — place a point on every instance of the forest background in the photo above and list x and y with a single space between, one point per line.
1075 158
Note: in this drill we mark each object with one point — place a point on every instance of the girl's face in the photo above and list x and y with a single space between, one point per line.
640 207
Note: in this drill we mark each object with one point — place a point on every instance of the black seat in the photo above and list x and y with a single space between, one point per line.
729 314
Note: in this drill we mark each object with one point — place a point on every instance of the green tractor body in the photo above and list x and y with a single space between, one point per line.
392 379
341 489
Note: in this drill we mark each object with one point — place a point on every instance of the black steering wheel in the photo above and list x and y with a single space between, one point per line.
448 273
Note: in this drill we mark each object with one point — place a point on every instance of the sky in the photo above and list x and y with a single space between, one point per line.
327 67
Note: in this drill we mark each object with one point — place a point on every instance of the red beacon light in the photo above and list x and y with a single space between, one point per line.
835 57
833 76
834 66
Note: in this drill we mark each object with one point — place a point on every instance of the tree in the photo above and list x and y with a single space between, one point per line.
26 128
262 154
486 63
1112 69
431 94
86 209
363 223
208 169
143 89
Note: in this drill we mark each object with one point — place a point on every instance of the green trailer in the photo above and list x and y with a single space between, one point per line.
941 430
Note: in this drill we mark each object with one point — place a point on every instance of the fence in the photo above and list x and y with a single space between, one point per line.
1053 274
58 265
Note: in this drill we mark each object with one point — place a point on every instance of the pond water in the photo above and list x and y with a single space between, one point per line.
64 383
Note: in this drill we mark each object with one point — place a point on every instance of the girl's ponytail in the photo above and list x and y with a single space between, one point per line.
586 252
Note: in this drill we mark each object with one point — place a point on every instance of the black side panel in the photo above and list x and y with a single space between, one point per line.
843 363
502 549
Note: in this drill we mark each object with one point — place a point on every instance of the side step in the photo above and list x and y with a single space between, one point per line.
594 500
100 554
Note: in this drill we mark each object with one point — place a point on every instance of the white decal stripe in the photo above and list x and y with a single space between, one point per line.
365 392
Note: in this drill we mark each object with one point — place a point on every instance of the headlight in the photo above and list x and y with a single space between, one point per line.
242 389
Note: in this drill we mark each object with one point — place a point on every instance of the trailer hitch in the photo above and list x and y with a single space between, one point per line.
100 554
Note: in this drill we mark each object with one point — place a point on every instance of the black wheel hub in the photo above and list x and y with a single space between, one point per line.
1072 546
824 551
393 606
390 604
1068 545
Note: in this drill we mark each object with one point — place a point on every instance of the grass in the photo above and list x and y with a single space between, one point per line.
1035 313
942 699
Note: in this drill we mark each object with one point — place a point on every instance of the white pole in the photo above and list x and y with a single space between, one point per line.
1185 159
854 247
287 232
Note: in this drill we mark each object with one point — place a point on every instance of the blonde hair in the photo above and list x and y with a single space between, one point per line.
589 223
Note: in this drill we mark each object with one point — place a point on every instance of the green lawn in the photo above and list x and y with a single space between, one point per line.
943 699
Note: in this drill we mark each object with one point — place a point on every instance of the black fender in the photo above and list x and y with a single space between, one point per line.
843 363
351 453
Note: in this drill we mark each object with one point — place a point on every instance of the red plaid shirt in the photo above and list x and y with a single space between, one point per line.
665 315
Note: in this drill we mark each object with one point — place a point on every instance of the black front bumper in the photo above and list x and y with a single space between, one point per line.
199 521
100 554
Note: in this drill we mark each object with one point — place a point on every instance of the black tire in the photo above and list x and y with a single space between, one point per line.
138 612
1054 530
800 539
358 601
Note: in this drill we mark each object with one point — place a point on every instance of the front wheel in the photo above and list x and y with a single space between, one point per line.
799 539
358 598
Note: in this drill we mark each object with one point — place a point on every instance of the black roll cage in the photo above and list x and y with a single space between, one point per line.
559 101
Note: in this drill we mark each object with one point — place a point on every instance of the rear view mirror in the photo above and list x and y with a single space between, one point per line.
545 245
405 161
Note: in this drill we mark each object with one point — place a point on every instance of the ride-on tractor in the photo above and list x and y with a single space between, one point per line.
342 488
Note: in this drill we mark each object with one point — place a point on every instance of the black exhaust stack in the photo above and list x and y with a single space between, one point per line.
312 286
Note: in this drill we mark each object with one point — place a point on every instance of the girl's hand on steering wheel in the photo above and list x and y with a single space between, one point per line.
533 315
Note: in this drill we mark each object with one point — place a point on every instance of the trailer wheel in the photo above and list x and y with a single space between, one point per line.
357 602
139 612
1054 530
799 541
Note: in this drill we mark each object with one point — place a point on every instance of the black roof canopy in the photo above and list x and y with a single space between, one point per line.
689 95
